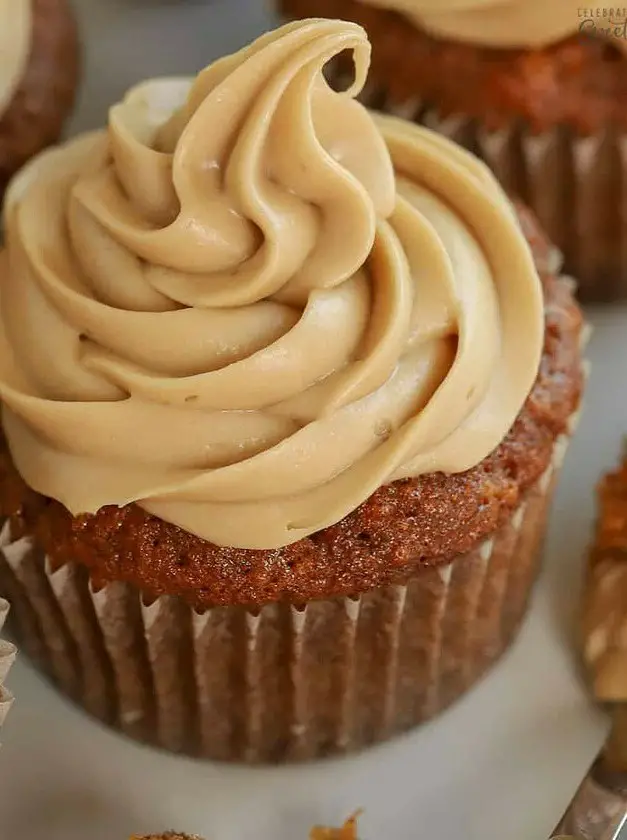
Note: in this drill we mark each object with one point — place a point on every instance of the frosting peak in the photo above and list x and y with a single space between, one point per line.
250 302
511 23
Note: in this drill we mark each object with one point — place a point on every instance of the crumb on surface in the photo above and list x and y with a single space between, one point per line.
347 832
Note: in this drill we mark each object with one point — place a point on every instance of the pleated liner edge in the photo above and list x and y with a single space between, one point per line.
281 683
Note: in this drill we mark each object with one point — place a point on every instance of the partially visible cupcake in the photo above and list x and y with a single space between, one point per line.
604 620
7 657
538 88
286 387
39 64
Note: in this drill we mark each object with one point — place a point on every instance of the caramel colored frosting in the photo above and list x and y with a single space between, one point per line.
511 23
15 38
250 302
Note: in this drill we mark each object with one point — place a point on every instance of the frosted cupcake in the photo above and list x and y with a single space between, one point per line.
538 89
285 395
39 61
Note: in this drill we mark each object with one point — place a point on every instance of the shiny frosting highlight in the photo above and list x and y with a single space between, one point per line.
250 303
15 39
511 23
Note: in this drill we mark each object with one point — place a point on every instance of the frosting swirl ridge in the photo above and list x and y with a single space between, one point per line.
511 23
250 303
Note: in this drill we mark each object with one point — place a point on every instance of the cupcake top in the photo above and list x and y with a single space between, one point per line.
250 303
15 38
512 23
7 656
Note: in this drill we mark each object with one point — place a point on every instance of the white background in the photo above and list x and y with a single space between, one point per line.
501 764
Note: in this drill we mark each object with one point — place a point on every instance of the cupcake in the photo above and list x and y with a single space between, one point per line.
538 89
7 656
603 640
38 78
284 398
604 627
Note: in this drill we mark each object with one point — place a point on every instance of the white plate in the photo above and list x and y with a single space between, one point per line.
502 763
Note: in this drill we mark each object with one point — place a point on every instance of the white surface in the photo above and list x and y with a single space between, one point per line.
501 764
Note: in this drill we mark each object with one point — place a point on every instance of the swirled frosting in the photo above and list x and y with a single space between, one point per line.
511 23
15 39
250 302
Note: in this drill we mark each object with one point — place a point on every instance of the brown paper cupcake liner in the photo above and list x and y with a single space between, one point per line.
282 682
576 186
7 657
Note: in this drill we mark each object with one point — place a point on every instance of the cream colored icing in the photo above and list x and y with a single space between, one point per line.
512 23
248 312
16 28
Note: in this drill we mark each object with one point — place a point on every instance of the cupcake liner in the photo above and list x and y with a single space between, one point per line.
576 186
281 682
7 656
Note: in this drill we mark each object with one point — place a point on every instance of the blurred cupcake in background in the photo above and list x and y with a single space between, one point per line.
7 656
39 66
604 614
538 88
276 478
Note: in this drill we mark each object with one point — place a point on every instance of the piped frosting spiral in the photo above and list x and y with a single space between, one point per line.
250 302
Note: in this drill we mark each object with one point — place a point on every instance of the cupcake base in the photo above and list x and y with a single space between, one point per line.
575 186
283 682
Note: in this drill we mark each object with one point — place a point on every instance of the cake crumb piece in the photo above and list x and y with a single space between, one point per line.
347 832
169 835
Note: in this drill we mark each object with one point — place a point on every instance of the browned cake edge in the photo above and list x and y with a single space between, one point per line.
409 524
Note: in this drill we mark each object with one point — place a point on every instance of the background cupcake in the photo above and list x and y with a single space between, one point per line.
7 656
38 77
538 89
605 595
313 408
